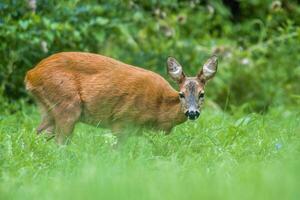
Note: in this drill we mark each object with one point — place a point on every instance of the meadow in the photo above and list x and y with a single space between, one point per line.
220 156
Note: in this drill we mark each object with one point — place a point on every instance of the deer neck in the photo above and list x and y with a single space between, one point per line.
171 108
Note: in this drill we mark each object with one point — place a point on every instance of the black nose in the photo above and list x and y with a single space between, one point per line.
192 114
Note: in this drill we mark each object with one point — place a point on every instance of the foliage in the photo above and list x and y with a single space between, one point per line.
220 156
258 43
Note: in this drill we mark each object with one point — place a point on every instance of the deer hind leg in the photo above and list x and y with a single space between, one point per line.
60 102
47 124
66 114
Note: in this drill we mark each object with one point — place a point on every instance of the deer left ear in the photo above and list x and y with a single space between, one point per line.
209 69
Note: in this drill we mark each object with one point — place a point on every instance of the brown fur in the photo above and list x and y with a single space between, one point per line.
73 87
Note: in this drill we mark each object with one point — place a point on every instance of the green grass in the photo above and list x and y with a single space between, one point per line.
220 156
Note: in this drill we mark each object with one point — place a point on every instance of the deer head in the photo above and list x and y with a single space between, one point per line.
191 89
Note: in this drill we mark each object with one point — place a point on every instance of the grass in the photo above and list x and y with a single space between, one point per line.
220 156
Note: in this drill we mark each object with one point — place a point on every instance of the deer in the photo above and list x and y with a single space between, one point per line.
72 87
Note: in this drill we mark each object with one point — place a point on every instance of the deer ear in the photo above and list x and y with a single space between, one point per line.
209 69
175 70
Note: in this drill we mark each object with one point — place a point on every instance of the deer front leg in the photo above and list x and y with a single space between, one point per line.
166 127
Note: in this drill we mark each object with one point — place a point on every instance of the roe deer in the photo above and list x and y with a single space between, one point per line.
70 87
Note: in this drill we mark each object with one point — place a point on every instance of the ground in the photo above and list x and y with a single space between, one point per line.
220 156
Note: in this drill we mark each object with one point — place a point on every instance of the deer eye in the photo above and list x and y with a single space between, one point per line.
201 95
181 94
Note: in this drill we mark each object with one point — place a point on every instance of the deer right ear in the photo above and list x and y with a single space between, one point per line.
175 70
209 69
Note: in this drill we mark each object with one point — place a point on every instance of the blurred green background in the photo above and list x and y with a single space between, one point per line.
258 43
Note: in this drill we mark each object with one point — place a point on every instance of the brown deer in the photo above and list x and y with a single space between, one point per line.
73 87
